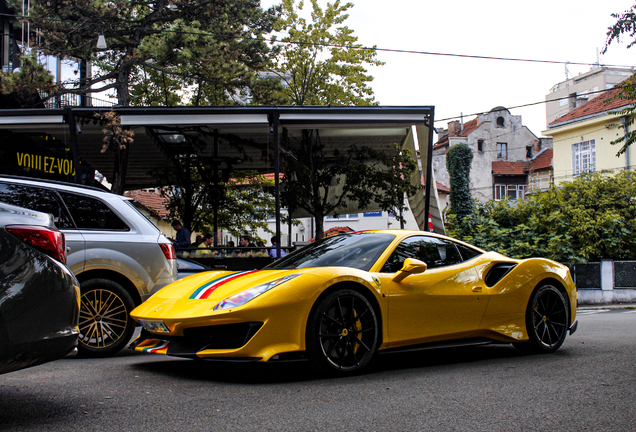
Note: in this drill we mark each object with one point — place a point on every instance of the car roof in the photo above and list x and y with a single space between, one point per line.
59 185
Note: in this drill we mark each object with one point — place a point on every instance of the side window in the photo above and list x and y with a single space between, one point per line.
91 213
433 251
35 198
466 252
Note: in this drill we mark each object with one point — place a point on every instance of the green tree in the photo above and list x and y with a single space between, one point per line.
213 48
320 62
458 162
322 182
23 85
624 27
590 218
245 206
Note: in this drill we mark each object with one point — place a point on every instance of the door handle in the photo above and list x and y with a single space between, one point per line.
477 289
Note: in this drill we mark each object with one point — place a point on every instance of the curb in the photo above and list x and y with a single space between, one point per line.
606 306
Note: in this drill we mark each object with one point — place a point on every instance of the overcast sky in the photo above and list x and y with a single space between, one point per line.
541 30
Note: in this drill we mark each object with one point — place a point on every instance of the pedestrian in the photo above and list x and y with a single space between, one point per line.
198 239
183 235
230 252
245 241
204 250
274 252
261 252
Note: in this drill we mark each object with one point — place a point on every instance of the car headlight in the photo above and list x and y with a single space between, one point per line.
249 294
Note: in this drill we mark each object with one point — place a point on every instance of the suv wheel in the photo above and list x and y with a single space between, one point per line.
105 325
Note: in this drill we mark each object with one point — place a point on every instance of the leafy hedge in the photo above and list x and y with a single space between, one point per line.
590 218
458 162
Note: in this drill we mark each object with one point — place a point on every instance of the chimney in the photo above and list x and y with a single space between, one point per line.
454 129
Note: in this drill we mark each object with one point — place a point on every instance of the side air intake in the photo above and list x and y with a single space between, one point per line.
498 272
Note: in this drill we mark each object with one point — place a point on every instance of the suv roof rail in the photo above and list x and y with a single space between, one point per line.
56 182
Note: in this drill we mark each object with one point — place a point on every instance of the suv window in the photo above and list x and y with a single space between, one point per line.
91 213
35 198
433 251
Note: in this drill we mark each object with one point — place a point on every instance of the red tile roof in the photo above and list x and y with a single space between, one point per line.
600 104
541 161
508 168
152 201
442 188
469 127
334 231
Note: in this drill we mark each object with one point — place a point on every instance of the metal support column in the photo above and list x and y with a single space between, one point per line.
276 138
429 168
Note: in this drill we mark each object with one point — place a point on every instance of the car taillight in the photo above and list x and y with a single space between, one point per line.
168 251
51 241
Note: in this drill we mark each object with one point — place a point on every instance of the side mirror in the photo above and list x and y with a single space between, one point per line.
410 267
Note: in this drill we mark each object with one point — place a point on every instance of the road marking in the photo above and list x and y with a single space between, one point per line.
592 312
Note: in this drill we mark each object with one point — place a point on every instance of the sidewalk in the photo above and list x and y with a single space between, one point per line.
607 306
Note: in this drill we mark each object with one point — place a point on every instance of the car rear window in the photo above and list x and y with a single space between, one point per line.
36 198
92 213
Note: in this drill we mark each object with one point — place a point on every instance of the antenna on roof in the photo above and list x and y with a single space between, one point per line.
567 72
598 61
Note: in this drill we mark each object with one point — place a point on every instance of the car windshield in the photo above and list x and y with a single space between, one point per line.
358 250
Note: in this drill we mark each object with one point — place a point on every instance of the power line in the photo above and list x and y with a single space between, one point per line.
522 106
274 40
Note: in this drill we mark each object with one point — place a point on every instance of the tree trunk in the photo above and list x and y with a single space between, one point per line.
120 169
320 227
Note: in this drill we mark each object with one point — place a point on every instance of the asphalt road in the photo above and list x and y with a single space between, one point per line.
589 384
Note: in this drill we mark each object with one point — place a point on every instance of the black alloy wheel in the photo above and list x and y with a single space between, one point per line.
342 333
105 325
547 320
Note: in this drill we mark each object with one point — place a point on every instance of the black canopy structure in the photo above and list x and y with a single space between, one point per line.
52 143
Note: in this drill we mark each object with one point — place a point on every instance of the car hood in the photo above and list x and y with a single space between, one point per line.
216 285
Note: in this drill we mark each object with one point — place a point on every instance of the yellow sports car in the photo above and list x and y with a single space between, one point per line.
340 301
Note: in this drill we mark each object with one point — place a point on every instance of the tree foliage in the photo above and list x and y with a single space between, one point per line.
458 163
213 48
322 182
23 85
321 62
624 27
245 207
590 218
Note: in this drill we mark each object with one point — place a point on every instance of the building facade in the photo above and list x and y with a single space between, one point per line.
582 138
503 152
574 92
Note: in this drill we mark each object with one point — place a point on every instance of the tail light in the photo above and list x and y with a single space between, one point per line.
51 241
168 251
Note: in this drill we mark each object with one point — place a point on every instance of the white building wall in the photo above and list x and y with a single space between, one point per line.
358 222
513 133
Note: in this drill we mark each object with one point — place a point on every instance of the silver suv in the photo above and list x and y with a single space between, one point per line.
119 257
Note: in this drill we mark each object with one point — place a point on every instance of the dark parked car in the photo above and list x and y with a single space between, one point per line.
119 257
186 267
39 296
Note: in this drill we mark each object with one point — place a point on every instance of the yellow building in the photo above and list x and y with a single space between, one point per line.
582 138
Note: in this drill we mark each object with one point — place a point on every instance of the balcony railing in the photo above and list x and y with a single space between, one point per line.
74 100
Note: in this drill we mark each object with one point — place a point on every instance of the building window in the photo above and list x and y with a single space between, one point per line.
502 151
345 216
529 152
500 122
480 145
509 192
563 102
583 157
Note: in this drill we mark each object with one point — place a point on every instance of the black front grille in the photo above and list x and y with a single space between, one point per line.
227 336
